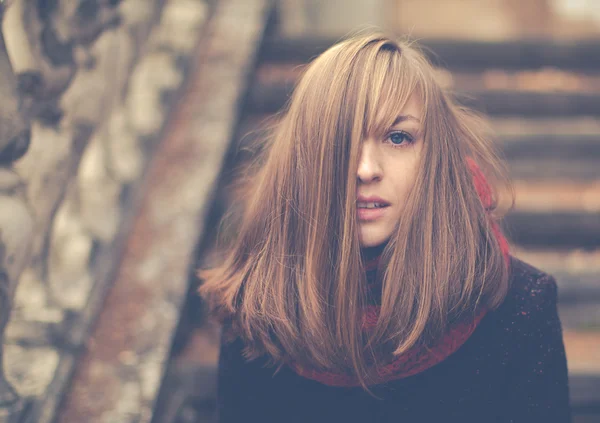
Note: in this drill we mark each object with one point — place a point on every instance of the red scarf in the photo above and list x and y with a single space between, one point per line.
419 358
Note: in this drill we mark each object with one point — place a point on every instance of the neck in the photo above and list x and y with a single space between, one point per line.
369 253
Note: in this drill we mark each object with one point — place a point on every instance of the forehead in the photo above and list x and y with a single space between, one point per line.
413 109
391 113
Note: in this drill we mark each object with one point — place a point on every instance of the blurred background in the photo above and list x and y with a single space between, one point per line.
125 122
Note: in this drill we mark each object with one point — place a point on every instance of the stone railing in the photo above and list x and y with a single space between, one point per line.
86 86
16 220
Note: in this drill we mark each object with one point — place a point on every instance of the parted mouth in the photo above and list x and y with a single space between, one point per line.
371 202
360 205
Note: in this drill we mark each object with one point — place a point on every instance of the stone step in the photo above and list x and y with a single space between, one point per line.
583 351
568 229
270 97
552 156
510 127
577 261
580 316
540 80
577 272
551 145
545 141
546 79
545 196
568 125
550 149
581 55
555 169
531 104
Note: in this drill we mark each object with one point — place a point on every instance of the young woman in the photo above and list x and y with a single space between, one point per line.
368 280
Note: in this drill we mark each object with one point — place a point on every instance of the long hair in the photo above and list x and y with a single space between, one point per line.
292 283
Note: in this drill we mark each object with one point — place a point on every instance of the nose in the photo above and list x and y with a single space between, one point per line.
369 166
16 147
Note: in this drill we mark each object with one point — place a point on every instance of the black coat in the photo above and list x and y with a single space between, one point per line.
512 369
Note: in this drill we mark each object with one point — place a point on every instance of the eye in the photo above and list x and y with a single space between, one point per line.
400 138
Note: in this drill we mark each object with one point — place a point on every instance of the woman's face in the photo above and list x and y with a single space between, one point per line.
386 173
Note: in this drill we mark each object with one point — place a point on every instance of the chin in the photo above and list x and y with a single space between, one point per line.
372 240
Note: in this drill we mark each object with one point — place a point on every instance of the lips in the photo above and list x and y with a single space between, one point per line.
376 207
372 199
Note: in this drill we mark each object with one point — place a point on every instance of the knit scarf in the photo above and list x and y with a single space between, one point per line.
420 357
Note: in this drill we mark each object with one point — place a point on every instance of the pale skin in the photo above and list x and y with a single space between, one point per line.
387 169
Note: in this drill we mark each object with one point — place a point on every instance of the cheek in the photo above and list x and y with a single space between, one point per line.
404 177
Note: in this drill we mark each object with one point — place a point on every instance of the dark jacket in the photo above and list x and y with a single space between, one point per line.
512 369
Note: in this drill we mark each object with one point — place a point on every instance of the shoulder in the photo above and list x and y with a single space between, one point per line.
529 284
528 321
531 293
529 336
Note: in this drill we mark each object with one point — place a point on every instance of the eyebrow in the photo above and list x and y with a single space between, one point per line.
403 118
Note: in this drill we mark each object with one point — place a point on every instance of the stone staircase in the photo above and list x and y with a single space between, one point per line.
550 137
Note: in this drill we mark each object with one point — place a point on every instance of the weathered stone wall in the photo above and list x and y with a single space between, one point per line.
120 375
81 178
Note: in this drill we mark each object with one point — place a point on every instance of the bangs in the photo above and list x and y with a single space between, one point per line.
390 83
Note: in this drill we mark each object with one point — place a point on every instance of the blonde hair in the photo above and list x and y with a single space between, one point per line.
293 284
